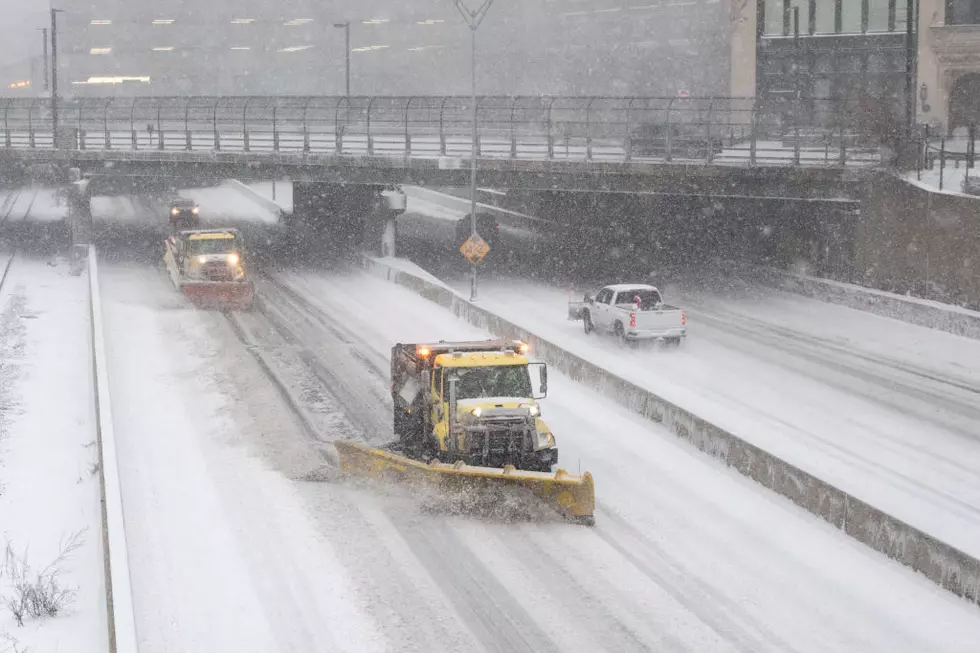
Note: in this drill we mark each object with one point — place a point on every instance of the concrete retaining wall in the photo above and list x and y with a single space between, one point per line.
952 319
119 595
944 565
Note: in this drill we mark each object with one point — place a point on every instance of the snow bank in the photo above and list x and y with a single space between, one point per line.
49 488
914 310
261 193
946 566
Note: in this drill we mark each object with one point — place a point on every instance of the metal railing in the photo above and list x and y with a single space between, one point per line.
949 162
722 130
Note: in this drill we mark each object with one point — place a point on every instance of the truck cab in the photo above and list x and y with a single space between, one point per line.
474 402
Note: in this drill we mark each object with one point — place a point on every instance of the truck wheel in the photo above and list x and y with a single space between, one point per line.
620 333
587 322
672 343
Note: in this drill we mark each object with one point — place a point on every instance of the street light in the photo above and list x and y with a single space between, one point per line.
346 27
44 32
473 20
54 75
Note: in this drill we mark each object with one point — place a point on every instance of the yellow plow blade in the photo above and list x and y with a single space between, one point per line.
570 495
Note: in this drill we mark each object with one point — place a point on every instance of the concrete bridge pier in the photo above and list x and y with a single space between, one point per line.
335 220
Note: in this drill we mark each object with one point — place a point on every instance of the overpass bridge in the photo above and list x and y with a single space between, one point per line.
682 146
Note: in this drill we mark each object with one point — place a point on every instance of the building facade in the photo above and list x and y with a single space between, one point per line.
862 52
948 84
413 47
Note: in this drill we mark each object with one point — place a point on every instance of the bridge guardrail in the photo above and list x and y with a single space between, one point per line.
700 130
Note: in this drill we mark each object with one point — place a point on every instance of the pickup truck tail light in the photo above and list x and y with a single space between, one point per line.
684 318
633 320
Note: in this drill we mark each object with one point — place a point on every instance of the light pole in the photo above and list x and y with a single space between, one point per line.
473 19
911 63
346 27
54 75
44 33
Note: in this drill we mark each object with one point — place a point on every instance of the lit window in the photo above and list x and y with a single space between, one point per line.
370 48
295 48
101 22
100 51
298 21
163 21
164 48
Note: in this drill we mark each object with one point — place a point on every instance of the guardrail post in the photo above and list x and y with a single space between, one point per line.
711 144
275 131
408 136
628 138
588 130
513 129
160 135
442 131
214 124
551 137
370 138
796 143
245 125
105 125
843 147
6 126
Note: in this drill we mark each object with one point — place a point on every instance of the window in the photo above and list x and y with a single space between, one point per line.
649 299
503 381
211 246
604 296
962 12
824 21
774 18
851 16
878 15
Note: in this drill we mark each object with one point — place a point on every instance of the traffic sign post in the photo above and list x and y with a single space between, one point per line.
475 249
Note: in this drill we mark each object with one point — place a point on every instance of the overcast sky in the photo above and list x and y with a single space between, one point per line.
18 40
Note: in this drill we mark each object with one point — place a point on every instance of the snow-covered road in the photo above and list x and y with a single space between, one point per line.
885 410
686 554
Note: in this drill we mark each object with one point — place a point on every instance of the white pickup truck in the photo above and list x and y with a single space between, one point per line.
631 312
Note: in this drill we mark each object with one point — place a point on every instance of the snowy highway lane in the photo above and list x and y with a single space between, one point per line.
686 555
885 410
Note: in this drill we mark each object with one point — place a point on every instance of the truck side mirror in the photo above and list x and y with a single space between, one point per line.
589 299
542 380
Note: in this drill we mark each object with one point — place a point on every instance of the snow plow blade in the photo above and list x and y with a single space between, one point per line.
235 296
570 495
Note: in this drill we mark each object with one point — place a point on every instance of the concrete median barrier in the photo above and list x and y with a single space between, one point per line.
946 566
922 312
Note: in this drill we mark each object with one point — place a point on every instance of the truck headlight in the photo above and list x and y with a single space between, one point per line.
202 259
534 410
543 440
239 273
233 259
477 412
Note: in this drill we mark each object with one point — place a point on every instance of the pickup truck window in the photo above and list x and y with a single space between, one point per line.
649 299
604 296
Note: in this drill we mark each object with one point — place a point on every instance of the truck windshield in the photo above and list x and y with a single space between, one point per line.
503 381
212 246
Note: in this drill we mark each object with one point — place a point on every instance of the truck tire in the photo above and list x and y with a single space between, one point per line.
672 343
587 322
620 332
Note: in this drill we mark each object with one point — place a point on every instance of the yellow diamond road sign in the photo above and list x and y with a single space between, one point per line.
475 248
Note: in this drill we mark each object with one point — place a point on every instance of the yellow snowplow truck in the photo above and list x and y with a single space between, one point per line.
466 418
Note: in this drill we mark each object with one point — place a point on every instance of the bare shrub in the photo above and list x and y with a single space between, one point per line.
10 644
37 594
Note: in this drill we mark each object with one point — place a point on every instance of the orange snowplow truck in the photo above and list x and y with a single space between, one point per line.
208 266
